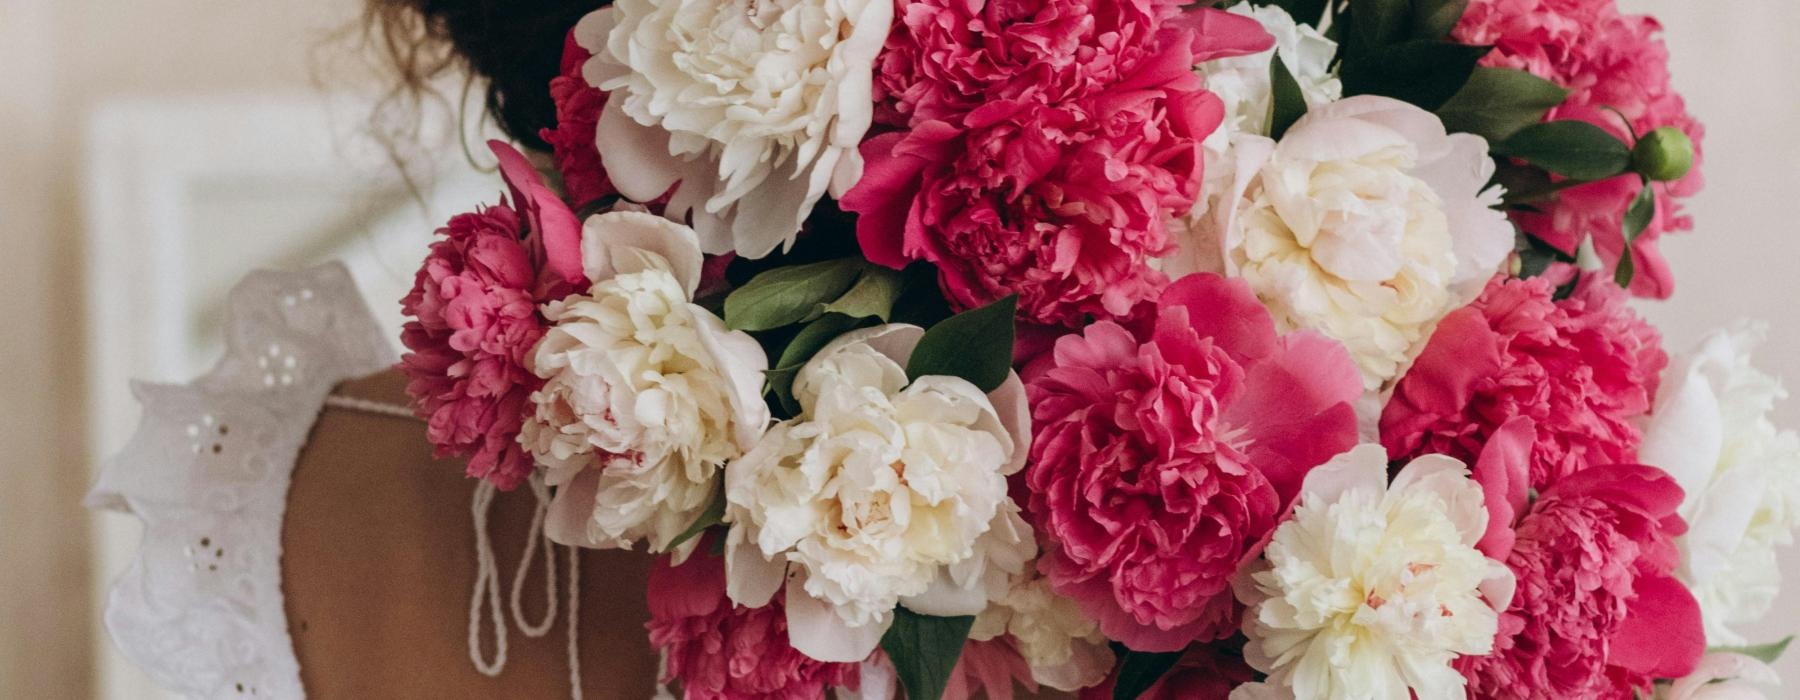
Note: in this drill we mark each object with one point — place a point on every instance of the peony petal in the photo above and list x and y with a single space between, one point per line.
1686 433
1010 404
743 363
636 157
1712 679
686 590
1220 34
883 199
1504 473
1462 351
751 579
1361 468
815 629
947 598
1661 635
1227 311
571 509
608 241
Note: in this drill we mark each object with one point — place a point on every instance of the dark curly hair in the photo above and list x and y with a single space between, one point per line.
515 45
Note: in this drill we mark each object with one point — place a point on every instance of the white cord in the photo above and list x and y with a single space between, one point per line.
487 581
539 629
379 408
574 626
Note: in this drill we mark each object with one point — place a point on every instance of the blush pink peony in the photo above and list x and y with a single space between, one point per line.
989 669
1163 458
1608 61
572 143
1597 612
473 321
1582 369
1038 161
719 651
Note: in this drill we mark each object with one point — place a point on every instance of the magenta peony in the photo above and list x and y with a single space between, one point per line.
718 651
1608 61
474 317
1582 369
1041 162
572 142
1162 459
1597 613
473 321
945 58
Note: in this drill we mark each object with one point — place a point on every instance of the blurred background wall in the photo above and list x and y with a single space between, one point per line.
77 75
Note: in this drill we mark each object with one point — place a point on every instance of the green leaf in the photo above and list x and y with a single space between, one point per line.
1766 653
1637 218
808 342
1570 148
1288 104
1376 23
713 515
976 345
1433 19
1304 11
788 295
924 650
873 294
1140 670
1424 73
1497 102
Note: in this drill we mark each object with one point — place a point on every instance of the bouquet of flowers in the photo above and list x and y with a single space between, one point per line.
1266 349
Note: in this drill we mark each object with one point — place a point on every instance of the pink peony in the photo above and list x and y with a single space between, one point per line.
572 142
1582 369
474 316
1163 458
1608 61
719 651
1041 163
1597 612
473 321
945 58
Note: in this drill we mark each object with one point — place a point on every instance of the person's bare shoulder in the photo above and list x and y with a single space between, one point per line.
379 562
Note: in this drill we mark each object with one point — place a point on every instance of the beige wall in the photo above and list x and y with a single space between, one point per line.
59 58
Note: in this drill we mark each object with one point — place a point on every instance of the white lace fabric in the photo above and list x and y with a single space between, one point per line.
200 608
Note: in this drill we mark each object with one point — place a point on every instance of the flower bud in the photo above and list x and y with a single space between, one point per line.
1664 154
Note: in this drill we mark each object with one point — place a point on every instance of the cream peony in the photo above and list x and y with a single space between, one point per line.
755 107
1242 84
1063 647
1372 589
1367 223
1711 431
880 493
646 396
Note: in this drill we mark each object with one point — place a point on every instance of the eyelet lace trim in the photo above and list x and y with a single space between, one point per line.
200 607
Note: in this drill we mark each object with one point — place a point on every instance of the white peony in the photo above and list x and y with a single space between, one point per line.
1367 223
755 107
1372 589
1721 676
1711 432
646 396
1242 84
1062 646
880 493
